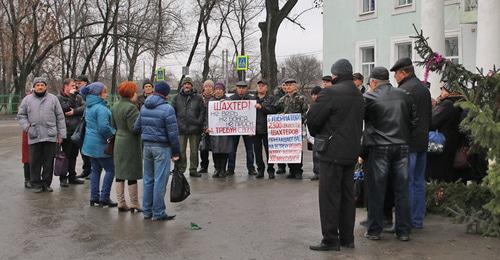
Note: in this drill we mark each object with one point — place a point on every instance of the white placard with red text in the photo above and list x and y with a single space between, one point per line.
285 138
235 117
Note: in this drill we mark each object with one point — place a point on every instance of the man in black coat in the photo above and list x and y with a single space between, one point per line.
242 94
190 113
390 117
73 107
337 117
265 106
404 73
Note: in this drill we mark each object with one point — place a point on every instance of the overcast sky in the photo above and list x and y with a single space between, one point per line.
291 40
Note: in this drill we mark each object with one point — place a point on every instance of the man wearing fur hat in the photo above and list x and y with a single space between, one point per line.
41 116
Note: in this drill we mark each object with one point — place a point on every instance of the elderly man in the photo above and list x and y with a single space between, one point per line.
41 116
358 81
190 113
326 81
265 106
242 94
336 119
404 73
207 93
389 119
293 102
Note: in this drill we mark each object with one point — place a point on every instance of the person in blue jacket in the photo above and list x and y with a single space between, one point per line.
158 126
98 131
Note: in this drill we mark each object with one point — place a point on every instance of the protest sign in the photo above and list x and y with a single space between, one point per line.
285 138
235 117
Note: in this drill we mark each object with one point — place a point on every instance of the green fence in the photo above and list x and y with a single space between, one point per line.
9 103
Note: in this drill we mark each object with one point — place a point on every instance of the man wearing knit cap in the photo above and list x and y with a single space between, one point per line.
404 73
242 94
41 116
190 112
390 118
147 90
336 120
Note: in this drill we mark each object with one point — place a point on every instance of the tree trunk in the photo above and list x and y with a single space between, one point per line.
157 40
116 65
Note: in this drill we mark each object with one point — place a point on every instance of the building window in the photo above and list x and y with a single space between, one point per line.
470 5
368 6
403 50
404 2
451 49
367 60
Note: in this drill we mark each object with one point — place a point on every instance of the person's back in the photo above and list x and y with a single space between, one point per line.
98 127
388 111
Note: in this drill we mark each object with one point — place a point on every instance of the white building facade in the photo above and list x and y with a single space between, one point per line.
377 32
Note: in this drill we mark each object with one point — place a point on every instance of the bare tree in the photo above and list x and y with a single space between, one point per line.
305 69
269 28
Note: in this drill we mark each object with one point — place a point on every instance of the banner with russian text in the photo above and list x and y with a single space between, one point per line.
285 138
235 117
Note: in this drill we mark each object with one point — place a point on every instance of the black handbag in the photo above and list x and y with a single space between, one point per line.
79 133
179 188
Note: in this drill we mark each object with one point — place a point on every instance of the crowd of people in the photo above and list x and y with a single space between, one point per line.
385 128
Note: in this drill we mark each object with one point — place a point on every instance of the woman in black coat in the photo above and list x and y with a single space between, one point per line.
446 119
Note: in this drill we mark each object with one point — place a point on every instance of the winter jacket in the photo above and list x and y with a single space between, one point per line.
338 110
422 100
127 153
446 119
98 127
190 112
390 116
268 107
221 143
42 118
158 124
74 102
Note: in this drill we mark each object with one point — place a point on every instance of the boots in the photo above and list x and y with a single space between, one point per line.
134 198
120 196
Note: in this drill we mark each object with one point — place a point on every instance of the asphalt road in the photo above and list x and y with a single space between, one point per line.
241 218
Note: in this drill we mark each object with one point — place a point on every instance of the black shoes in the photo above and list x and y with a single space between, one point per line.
253 172
37 189
325 247
260 175
347 245
271 175
219 174
164 218
281 171
47 189
84 175
63 183
203 170
75 181
109 203
372 236
195 174
403 238
315 177
230 172
95 203
27 185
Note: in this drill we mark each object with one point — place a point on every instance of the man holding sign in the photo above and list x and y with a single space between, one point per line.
242 94
293 102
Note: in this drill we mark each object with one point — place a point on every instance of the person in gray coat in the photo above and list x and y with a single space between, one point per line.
41 116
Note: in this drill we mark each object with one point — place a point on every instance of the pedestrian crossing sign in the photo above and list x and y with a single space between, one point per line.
242 62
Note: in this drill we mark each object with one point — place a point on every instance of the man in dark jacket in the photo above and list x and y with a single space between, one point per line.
265 106
417 162
242 94
80 82
73 107
390 117
190 112
337 117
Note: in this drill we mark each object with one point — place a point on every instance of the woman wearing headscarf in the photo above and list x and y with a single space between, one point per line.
127 149
98 131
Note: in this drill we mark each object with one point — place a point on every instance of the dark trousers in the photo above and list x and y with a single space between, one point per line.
26 167
316 163
71 150
41 156
387 163
248 140
336 202
296 168
204 159
220 161
87 166
260 140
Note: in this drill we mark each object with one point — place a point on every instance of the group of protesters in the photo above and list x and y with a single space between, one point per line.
383 127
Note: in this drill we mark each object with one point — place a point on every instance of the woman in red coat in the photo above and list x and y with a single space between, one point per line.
25 161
